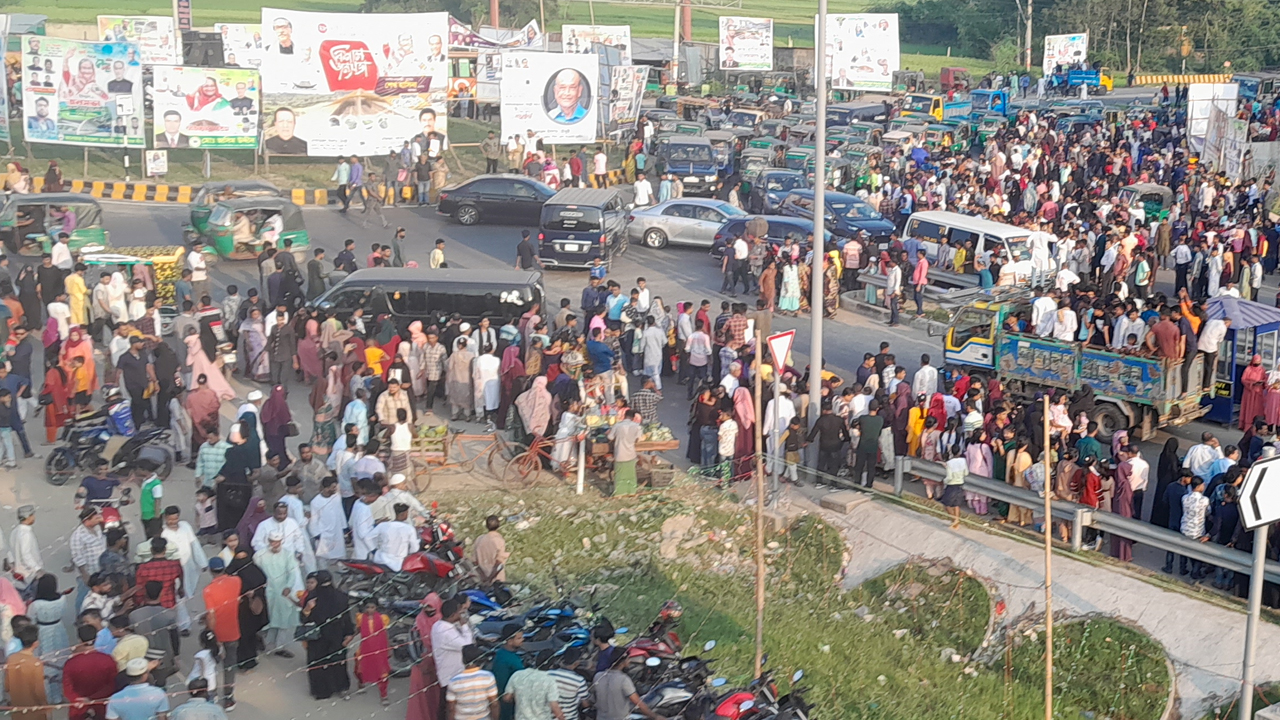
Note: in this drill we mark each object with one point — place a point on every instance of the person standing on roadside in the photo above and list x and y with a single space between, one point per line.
342 176
422 177
491 148
526 254
601 168
222 615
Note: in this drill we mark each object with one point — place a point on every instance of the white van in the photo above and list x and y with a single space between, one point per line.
931 227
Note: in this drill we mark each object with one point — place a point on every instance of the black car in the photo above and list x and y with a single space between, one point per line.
780 228
506 199
772 186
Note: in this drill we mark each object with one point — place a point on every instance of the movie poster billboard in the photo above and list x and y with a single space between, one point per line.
1064 50
529 37
156 38
577 39
862 50
195 107
746 43
349 83
79 92
626 91
555 96
241 44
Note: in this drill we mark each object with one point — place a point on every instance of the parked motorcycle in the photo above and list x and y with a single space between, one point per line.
670 688
88 439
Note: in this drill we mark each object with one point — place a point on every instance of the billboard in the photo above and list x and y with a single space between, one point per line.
156 38
862 50
194 107
241 44
746 43
348 83
1201 99
555 96
1064 50
529 37
78 92
577 39
626 91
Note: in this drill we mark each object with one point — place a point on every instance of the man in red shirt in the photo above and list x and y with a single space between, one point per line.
89 675
166 572
222 605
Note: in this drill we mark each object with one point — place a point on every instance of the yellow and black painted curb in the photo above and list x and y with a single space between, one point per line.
1181 79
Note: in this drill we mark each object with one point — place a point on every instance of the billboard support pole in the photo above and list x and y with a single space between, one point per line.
819 218
207 166
675 52
85 174
1029 8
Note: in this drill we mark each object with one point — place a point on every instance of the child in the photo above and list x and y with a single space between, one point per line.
372 663
792 441
728 439
205 664
207 514
598 269
953 495
9 423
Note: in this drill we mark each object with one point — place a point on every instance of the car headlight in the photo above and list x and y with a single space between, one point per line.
711 178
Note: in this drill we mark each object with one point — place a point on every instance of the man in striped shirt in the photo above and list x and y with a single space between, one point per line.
571 686
473 693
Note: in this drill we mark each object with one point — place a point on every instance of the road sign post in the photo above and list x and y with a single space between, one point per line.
779 350
1259 508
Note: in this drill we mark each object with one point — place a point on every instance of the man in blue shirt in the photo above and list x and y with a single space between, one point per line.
98 485
593 296
614 304
139 700
601 358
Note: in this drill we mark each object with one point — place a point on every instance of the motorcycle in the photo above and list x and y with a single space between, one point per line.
420 574
793 706
671 691
89 438
660 640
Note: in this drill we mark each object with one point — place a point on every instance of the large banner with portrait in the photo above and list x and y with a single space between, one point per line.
626 93
529 37
78 92
195 107
555 96
156 38
577 39
861 50
746 43
241 44
349 83
1064 50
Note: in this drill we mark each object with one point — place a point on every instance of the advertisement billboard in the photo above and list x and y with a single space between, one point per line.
746 43
241 44
626 91
1201 99
156 38
78 92
555 96
529 37
194 107
353 83
862 50
1064 50
577 39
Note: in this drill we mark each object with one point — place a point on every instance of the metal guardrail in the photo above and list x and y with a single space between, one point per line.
1082 516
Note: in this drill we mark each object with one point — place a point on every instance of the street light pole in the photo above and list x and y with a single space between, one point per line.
819 215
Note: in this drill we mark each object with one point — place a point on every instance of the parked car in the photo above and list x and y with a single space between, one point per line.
686 221
846 214
771 186
691 158
780 228
504 199
579 225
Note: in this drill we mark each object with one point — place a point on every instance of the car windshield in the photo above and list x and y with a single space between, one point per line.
979 102
580 219
722 153
919 103
1018 249
783 183
690 153
853 209
742 119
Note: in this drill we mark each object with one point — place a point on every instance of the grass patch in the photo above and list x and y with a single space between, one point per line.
904 645
1263 696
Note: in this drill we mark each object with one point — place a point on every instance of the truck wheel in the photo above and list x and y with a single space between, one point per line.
1109 419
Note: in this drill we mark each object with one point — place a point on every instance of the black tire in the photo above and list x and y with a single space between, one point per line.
406 648
655 239
59 467
467 215
1109 419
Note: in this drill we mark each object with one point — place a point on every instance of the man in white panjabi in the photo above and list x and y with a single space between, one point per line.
395 539
190 553
328 523
24 548
284 580
397 495
297 511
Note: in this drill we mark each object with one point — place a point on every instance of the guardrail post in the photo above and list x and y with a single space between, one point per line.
900 466
1077 529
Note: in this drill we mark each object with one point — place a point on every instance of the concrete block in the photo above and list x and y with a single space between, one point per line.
844 501
1268 713
780 521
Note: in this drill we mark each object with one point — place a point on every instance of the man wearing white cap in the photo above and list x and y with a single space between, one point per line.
254 406
284 580
139 699
397 495
395 539
295 541
25 553
464 331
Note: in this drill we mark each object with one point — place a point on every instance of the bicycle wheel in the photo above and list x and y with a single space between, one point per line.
522 470
502 451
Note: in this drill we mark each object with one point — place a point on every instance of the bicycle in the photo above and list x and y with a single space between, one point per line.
455 455
526 468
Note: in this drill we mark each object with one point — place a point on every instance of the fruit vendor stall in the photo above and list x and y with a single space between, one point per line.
159 267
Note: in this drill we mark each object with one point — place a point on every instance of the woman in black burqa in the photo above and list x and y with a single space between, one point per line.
1168 468
235 490
253 606
326 607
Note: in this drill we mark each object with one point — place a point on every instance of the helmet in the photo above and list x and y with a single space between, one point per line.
111 393
671 610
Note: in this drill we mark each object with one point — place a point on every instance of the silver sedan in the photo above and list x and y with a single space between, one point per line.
685 221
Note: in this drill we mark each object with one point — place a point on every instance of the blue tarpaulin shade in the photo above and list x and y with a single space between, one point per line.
1243 313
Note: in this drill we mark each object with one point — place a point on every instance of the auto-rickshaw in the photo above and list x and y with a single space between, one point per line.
839 172
897 138
910 118
754 161
802 134
765 143
988 125
688 128
943 137
726 145
240 228
775 128
865 132
211 192
1152 200
30 222
860 158
798 158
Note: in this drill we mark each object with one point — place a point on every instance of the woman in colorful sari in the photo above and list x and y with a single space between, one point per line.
744 412
806 289
79 345
58 388
831 284
513 382
789 300
768 282
253 350
326 398
309 352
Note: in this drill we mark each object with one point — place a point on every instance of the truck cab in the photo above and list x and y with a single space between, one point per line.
990 101
923 103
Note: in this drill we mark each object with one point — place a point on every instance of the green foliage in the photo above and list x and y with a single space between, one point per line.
1004 54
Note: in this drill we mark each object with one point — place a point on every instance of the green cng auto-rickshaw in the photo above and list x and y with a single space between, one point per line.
211 192
239 229
30 222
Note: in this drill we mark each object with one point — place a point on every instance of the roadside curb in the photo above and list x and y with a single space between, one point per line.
163 193
853 302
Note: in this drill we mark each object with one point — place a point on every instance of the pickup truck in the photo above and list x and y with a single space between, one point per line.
1131 390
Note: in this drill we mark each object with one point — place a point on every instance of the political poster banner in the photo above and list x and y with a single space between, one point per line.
1064 50
241 44
578 39
746 43
79 92
4 80
529 37
155 36
626 91
555 96
354 83
209 108
861 50
157 162
1201 99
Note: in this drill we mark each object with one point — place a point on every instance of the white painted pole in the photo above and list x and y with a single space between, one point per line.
819 216
582 463
1251 628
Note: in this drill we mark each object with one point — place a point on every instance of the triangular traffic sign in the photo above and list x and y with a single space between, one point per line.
780 347
1260 494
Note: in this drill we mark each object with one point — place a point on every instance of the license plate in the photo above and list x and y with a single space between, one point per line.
691 178
572 247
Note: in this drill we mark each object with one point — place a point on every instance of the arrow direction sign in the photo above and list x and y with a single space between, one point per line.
780 348
1260 494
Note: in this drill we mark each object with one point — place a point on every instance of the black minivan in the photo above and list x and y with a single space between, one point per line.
582 224
431 296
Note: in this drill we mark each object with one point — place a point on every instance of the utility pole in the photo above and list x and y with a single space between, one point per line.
675 52
1029 9
1048 568
760 568
493 14
819 216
